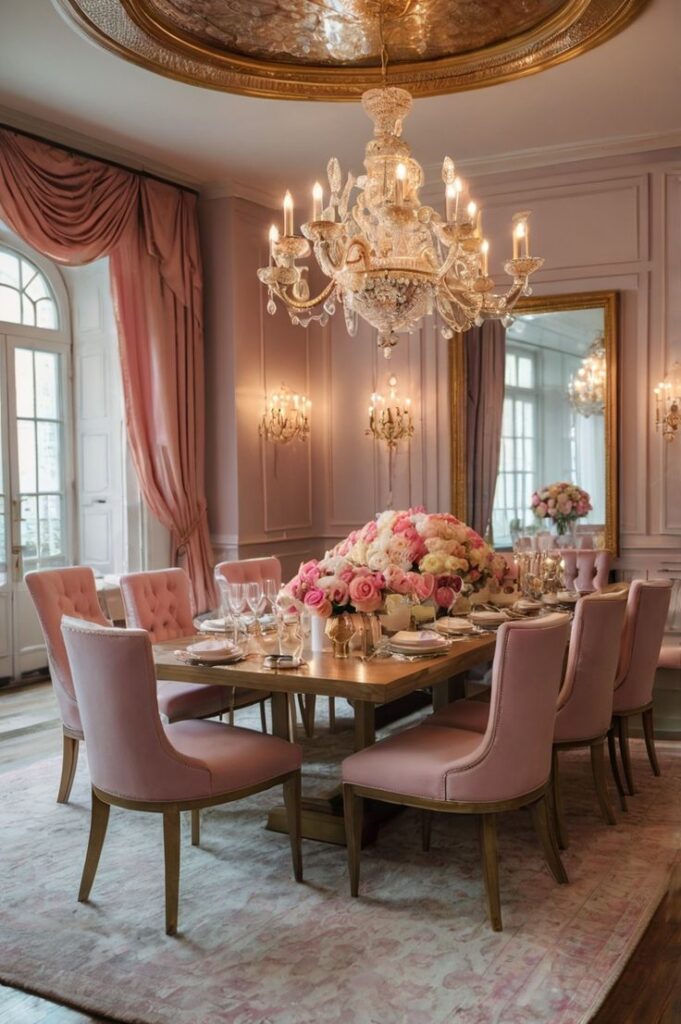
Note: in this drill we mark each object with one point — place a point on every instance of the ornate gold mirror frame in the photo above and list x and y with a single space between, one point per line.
608 302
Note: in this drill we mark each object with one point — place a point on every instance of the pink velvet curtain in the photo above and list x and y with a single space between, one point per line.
76 209
485 371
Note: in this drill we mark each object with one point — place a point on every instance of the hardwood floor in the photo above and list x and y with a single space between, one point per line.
648 992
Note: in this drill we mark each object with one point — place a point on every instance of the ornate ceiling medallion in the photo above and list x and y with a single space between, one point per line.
330 49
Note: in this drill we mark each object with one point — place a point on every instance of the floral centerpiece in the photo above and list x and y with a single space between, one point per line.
412 553
563 503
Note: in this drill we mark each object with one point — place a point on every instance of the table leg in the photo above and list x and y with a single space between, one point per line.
452 689
365 727
280 716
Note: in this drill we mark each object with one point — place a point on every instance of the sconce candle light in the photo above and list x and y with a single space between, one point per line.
668 404
286 417
390 421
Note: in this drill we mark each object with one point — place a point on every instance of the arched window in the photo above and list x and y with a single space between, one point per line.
25 295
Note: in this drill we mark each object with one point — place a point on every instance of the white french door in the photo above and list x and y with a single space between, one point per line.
36 480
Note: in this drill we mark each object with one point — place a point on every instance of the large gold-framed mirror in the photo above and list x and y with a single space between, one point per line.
523 389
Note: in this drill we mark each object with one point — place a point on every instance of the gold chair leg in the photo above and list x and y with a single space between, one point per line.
540 819
99 819
332 714
171 851
623 737
490 868
292 721
292 800
263 718
600 783
426 822
612 752
196 827
649 736
353 809
557 803
68 768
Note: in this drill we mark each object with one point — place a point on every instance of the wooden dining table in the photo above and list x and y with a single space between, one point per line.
366 684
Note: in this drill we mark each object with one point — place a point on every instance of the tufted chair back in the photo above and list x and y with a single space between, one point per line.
586 569
585 701
55 593
159 602
514 757
129 753
250 570
644 627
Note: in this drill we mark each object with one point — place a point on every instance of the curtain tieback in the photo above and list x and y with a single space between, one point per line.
183 538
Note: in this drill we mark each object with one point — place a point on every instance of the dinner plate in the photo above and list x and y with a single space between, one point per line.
453 625
488 618
527 606
213 651
425 642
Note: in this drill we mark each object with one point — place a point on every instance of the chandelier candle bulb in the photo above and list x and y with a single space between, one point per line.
484 250
274 238
472 210
451 202
288 215
400 177
317 196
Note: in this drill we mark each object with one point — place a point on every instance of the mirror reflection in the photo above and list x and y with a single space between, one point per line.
553 424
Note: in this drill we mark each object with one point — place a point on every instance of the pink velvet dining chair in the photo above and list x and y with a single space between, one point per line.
459 771
138 763
160 603
584 704
55 593
256 570
644 625
586 570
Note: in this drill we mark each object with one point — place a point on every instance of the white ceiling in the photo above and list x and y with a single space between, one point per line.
621 97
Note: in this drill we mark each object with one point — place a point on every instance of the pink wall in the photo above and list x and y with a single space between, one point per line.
610 224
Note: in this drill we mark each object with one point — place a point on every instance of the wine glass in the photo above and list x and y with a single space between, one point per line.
256 601
236 601
271 591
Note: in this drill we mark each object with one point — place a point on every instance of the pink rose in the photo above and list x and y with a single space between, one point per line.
365 595
455 583
309 572
394 578
445 597
338 593
318 603
424 585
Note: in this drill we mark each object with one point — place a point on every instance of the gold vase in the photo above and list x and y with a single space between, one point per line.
340 630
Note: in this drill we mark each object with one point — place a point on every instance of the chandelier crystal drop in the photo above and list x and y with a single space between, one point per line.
586 390
389 259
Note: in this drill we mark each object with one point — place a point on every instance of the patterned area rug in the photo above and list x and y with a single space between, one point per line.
255 948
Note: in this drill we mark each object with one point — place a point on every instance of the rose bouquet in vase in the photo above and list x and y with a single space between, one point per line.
563 504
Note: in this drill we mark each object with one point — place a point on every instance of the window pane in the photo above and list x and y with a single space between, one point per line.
49 451
9 269
46 314
529 420
29 526
50 525
10 305
525 373
519 418
47 385
510 377
27 311
27 468
23 374
37 288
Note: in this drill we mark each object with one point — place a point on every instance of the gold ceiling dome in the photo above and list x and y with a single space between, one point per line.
331 49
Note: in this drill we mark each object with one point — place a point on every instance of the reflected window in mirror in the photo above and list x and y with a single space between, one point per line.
546 436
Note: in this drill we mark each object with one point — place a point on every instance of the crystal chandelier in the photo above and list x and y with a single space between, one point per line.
286 417
390 260
668 404
390 419
586 390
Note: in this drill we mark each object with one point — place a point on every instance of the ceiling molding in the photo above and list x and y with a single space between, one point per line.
62 136
260 50
558 156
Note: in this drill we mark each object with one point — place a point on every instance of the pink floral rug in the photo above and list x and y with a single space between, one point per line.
255 948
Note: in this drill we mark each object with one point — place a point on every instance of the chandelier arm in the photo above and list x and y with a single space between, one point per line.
307 303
